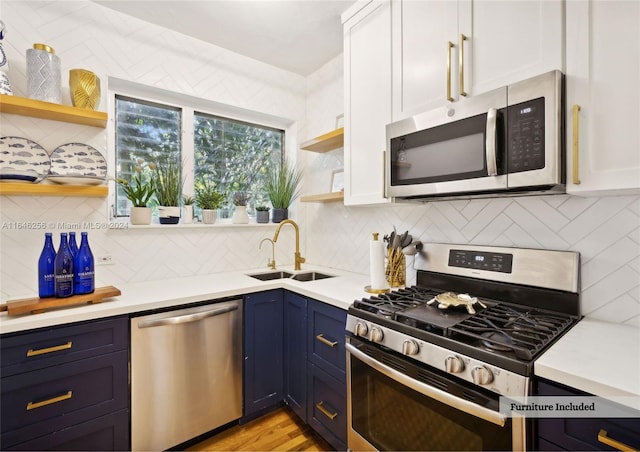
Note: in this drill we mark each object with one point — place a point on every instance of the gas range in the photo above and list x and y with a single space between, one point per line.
481 314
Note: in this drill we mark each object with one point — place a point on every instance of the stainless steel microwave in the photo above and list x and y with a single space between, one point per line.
506 141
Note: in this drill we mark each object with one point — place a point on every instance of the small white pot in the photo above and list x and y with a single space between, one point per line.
187 214
209 216
140 215
240 215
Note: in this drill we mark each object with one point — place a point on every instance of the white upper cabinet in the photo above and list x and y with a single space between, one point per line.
444 50
603 80
367 79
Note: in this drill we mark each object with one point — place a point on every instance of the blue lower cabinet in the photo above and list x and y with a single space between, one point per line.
263 351
327 409
583 433
295 353
110 432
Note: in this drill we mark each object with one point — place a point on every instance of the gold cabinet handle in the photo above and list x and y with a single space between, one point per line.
576 146
450 46
323 410
461 64
42 351
326 341
605 439
34 405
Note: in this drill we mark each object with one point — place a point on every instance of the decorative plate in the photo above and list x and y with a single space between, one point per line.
21 159
76 180
78 159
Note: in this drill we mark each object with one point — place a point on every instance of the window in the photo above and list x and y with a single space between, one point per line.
235 155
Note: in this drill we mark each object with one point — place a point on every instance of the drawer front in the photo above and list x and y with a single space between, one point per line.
32 351
582 433
110 432
327 337
328 406
51 399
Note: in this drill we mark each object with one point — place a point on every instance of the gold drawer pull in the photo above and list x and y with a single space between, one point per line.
450 46
323 410
463 38
326 341
576 145
34 405
42 351
604 439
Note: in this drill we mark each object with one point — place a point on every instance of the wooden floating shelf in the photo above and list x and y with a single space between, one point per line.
56 112
324 197
325 143
39 305
27 189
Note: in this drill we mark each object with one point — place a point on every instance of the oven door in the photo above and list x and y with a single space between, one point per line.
395 404
449 150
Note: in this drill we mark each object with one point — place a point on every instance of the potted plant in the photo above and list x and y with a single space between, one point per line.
187 209
240 200
282 189
139 193
208 199
168 187
262 214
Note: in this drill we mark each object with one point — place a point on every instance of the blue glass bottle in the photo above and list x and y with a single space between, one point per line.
46 268
64 269
73 245
84 275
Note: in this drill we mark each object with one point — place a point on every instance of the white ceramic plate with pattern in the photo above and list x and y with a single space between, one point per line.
78 159
77 180
22 159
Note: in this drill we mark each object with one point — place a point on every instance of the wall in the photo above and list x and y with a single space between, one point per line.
87 35
604 230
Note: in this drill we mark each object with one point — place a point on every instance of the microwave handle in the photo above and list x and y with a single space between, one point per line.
490 144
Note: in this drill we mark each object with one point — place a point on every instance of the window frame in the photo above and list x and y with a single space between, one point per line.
189 106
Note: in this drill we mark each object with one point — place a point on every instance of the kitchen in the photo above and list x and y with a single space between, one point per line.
334 237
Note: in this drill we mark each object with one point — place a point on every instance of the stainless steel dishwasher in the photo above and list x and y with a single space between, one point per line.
186 373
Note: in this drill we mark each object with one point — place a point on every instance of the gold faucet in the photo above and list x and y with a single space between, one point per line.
298 259
271 263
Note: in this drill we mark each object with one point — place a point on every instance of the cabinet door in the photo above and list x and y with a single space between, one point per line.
327 337
603 79
328 406
295 353
421 33
508 41
263 350
367 77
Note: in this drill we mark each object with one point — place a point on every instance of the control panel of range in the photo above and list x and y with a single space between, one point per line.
479 260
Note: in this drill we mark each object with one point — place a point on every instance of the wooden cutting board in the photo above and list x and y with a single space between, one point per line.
38 305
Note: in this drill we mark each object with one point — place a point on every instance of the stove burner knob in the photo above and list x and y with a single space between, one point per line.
361 329
376 335
410 347
454 364
481 375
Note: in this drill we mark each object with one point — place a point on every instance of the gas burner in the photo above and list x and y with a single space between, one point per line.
385 313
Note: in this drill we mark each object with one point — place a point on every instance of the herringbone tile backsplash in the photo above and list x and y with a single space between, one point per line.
606 231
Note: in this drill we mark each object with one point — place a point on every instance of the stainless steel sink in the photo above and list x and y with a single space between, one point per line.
271 275
310 276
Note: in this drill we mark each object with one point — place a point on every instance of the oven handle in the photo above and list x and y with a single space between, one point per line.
463 405
490 143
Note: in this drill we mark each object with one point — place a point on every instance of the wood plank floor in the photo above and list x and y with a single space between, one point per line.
280 430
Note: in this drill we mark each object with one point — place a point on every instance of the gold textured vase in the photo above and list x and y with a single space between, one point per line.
85 88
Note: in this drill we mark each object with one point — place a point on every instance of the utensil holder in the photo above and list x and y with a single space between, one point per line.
396 270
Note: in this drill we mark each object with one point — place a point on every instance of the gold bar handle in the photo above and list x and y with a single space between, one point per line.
576 145
43 351
450 46
323 410
462 39
605 439
34 405
326 341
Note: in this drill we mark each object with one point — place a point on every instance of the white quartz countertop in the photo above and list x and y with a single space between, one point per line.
597 357
339 291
